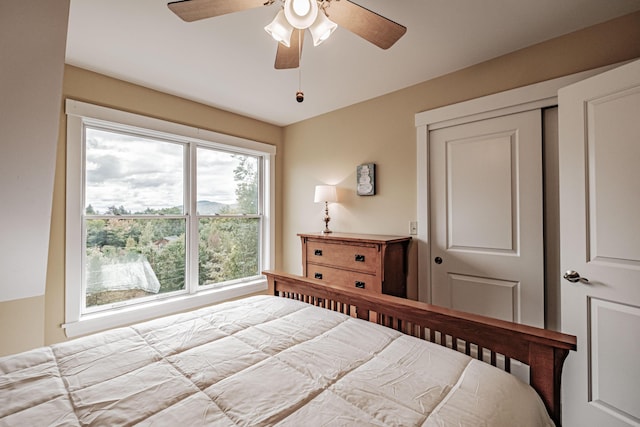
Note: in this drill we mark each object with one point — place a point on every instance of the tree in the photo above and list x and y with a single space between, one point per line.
229 246
246 177
169 266
112 210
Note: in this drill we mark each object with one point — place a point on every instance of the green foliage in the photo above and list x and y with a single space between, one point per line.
168 264
228 249
246 177
161 242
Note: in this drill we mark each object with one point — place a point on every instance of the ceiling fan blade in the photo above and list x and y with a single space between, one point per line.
289 57
194 10
369 25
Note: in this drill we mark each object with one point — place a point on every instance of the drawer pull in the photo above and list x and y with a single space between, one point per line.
318 276
317 252
359 284
359 258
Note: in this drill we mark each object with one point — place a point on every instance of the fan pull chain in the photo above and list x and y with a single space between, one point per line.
299 93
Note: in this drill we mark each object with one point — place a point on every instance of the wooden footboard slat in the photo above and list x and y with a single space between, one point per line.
543 350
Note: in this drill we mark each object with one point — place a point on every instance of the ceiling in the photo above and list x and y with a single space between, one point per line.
228 61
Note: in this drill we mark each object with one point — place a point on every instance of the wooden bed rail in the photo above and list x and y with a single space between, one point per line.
487 339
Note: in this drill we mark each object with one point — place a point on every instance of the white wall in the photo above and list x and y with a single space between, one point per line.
32 49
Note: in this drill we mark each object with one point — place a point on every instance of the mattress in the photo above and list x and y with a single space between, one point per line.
261 361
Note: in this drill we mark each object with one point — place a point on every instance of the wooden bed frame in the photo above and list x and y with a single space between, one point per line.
482 337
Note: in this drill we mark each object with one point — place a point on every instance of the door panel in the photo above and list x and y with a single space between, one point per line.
613 165
600 239
610 386
486 225
471 223
488 297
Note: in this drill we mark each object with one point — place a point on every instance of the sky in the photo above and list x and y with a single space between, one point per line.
138 172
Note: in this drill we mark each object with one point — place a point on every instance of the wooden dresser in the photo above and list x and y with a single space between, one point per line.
373 263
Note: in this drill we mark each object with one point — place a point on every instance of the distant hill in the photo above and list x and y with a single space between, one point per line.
206 207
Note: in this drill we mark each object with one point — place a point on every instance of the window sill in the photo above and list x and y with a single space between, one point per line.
128 315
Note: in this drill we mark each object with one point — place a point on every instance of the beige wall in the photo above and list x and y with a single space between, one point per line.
328 148
22 323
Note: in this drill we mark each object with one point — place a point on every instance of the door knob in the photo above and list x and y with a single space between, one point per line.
574 277
438 260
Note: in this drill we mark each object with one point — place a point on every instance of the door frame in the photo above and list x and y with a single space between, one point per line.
531 97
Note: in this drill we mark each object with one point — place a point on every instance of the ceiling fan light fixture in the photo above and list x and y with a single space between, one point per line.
301 7
301 13
321 29
280 29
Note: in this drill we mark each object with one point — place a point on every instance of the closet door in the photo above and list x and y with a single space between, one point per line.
600 246
487 253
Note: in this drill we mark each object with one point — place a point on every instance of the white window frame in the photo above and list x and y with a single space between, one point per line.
79 114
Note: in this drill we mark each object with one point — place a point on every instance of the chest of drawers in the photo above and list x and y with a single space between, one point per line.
372 263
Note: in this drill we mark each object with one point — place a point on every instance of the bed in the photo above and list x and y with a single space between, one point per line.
307 354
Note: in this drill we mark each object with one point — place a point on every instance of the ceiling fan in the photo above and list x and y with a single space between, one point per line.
321 17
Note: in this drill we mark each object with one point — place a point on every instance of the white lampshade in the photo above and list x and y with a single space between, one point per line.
322 28
325 193
280 29
301 13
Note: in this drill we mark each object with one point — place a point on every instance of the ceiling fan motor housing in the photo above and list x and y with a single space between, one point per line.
301 13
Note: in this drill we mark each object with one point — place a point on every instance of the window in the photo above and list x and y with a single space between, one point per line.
160 217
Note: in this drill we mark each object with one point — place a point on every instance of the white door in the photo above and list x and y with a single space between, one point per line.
487 253
599 159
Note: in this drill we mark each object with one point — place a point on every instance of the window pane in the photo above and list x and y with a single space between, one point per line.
133 258
227 183
229 249
132 174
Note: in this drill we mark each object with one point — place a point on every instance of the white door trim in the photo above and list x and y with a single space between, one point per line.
535 96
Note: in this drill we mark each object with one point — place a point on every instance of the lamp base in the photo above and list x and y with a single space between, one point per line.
326 219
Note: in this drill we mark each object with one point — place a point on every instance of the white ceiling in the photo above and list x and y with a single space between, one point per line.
227 61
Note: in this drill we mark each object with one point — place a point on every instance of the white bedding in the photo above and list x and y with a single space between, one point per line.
259 361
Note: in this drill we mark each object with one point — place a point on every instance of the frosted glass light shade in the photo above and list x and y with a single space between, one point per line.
301 13
321 29
325 193
280 29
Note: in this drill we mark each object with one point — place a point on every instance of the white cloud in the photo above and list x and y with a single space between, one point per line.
139 173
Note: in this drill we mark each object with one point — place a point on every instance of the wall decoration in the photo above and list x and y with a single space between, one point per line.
366 179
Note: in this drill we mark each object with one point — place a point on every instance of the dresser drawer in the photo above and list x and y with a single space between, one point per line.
370 263
362 258
345 278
